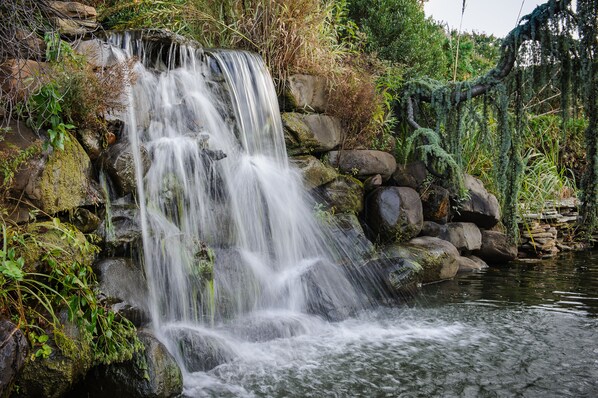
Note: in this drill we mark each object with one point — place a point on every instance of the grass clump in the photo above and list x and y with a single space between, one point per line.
45 268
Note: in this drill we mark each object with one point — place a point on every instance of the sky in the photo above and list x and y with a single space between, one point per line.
496 17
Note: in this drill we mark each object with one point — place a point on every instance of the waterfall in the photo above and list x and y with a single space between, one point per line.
220 188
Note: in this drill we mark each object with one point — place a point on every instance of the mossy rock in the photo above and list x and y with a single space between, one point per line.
63 241
344 194
314 172
53 377
64 182
151 373
437 257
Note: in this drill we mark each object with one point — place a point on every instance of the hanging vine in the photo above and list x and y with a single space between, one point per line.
539 57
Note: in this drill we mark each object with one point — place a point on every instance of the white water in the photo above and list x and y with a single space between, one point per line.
273 277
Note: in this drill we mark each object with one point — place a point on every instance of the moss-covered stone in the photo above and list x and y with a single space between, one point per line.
314 172
437 257
54 376
64 182
63 241
344 194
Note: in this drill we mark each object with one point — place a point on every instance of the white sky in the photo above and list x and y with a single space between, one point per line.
496 17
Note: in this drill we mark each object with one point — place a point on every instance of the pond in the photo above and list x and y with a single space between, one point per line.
528 330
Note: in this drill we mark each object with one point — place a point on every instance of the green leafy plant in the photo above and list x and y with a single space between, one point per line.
46 268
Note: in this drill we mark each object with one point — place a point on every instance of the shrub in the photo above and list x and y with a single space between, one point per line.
398 31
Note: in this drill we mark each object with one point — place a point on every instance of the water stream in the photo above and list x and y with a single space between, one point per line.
258 321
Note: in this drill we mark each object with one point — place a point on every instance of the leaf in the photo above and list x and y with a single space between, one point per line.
12 270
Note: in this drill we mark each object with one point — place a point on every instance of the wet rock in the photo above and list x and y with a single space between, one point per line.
54 376
364 163
387 278
85 221
436 204
314 172
344 194
305 134
481 208
91 141
201 349
394 214
328 295
20 77
124 288
372 183
437 257
233 271
410 175
305 93
153 373
496 248
97 53
468 265
14 350
464 236
121 229
349 243
119 163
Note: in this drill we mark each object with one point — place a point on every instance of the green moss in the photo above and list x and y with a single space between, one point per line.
64 181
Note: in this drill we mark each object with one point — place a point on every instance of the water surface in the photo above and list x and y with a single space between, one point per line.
527 330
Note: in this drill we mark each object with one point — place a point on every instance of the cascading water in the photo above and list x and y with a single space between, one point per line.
219 178
255 322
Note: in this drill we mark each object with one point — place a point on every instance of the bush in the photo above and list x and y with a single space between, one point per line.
398 31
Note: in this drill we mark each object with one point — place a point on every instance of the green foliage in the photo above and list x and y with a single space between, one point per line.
46 111
478 54
398 31
47 268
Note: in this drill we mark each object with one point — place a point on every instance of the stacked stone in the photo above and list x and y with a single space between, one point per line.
74 19
544 234
539 240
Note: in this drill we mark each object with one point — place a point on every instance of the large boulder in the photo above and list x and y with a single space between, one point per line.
152 373
20 77
66 243
364 163
436 203
124 288
314 172
386 278
344 194
410 175
305 93
14 350
348 241
121 228
481 208
437 257
467 264
496 248
57 374
463 235
119 163
201 349
65 182
54 180
98 54
305 134
394 214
